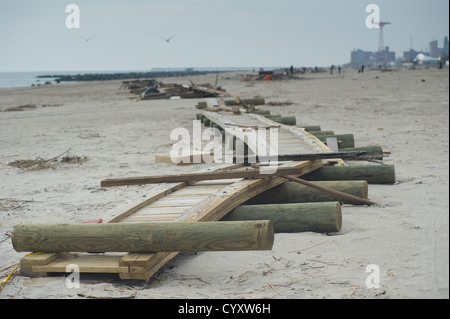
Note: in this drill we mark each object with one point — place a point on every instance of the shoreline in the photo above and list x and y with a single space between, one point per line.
167 73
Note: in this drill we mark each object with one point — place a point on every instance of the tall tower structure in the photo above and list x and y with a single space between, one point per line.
382 54
445 49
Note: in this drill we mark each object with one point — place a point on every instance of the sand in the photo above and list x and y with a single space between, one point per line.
406 236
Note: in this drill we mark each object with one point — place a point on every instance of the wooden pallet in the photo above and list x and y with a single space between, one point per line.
178 202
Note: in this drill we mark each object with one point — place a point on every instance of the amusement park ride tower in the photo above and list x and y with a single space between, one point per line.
382 54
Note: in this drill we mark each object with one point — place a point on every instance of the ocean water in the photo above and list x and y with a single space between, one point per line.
22 79
25 79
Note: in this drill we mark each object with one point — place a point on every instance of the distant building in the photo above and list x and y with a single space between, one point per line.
360 57
408 56
385 57
434 50
369 58
445 49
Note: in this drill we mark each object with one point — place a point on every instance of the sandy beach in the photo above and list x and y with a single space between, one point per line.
406 235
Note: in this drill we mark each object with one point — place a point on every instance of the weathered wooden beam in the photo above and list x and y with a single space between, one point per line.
351 155
295 217
195 177
144 237
376 151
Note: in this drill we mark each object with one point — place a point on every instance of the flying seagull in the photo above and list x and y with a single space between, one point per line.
87 39
168 39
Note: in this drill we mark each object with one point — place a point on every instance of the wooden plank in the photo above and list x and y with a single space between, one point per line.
151 218
197 190
176 202
357 155
249 173
158 193
138 262
161 210
89 263
145 273
39 259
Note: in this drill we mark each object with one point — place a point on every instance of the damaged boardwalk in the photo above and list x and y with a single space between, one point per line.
189 201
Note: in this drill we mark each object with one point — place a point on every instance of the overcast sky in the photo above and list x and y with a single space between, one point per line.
127 34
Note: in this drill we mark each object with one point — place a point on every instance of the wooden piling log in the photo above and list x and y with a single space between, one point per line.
274 117
373 174
202 105
309 128
217 126
256 101
329 190
144 237
262 112
200 117
292 192
206 121
287 218
318 133
286 120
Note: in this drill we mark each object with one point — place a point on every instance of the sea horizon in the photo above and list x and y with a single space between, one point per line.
9 79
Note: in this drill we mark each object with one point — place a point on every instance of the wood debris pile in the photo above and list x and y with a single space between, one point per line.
152 90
